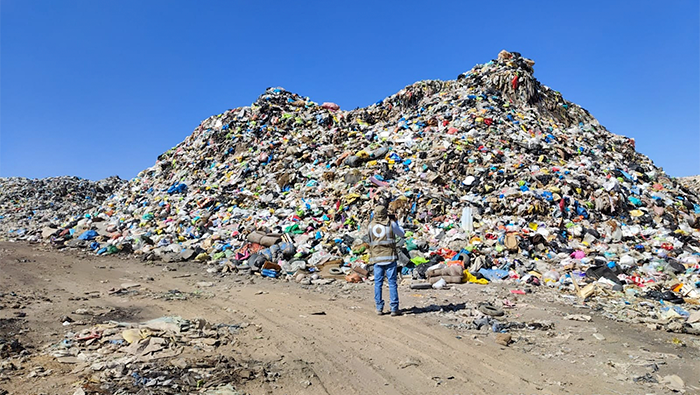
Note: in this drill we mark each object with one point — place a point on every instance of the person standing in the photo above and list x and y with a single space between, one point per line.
382 247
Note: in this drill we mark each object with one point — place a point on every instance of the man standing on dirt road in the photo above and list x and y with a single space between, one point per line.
382 249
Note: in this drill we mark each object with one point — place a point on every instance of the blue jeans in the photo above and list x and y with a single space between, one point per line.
390 272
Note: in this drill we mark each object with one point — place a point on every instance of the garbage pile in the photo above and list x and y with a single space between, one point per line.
493 172
167 355
691 183
29 205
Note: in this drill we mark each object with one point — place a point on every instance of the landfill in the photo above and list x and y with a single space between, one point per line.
167 355
28 205
495 176
691 183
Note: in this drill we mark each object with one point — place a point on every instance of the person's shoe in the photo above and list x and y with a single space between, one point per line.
395 313
380 312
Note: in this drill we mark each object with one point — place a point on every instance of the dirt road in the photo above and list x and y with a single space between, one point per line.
326 339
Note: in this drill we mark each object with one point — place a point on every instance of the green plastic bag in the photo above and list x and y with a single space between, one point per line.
410 245
419 260
293 229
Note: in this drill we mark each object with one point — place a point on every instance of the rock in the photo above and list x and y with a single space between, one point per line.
130 285
674 383
187 254
598 336
504 339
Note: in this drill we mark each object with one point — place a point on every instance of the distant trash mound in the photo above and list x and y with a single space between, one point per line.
26 204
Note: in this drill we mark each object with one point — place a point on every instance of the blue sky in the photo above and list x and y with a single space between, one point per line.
96 88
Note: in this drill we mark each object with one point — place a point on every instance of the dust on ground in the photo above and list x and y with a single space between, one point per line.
326 339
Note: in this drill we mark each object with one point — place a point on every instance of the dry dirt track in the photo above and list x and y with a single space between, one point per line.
328 340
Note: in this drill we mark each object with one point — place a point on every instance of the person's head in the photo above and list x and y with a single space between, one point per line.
380 213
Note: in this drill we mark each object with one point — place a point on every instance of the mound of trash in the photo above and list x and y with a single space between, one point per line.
493 172
28 205
691 183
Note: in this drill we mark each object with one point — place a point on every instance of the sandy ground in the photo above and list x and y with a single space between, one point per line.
328 340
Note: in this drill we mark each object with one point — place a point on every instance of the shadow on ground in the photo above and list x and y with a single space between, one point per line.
435 307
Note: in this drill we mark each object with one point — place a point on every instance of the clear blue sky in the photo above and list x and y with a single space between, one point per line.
95 88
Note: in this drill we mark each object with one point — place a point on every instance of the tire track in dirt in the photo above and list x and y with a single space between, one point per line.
390 341
349 350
